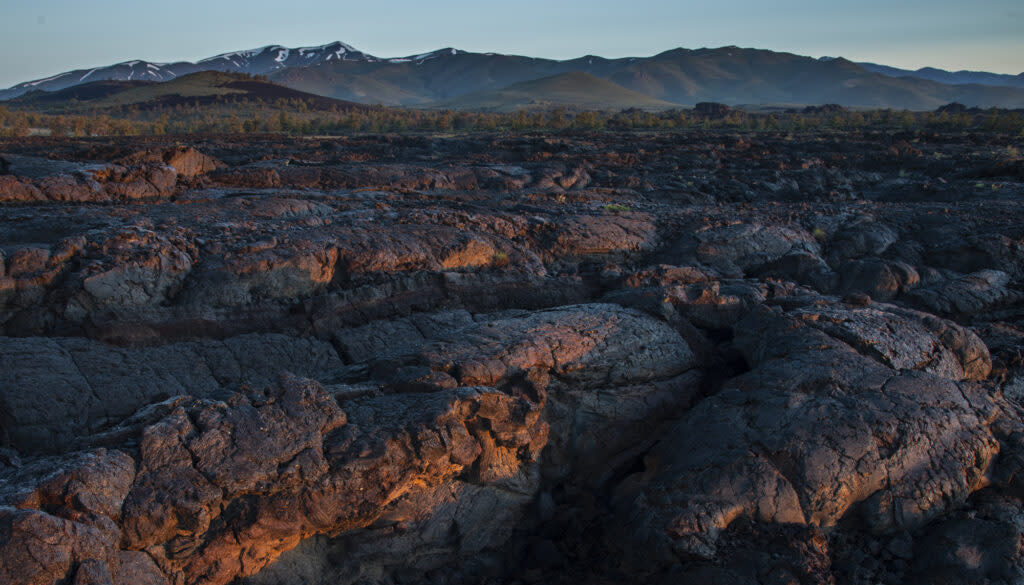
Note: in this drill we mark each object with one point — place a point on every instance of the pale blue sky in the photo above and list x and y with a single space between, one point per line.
39 38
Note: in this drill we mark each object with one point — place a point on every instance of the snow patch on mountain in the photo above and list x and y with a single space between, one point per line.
39 81
232 56
426 56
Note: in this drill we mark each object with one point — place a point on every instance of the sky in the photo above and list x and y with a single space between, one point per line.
39 38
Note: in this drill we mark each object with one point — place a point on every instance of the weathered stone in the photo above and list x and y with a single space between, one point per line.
986 291
54 390
561 358
814 433
59 518
881 279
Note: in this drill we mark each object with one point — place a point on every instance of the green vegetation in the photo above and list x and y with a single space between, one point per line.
616 207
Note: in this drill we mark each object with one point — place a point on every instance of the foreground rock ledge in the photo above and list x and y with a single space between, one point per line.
220 489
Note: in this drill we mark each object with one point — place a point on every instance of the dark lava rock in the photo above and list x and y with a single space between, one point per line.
701 357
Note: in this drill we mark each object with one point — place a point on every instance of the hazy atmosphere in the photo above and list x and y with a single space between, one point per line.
46 37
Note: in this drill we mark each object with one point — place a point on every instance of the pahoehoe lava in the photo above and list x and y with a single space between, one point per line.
701 357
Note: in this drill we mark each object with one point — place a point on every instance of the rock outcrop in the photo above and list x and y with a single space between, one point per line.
664 358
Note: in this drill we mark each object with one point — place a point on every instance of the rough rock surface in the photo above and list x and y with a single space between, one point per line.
613 358
792 444
54 390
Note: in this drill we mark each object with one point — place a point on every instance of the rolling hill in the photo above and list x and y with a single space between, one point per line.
573 90
442 75
202 88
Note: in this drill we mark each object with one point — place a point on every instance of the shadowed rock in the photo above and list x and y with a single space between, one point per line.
815 433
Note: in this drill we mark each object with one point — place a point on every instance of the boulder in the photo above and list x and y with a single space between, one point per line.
814 434
986 291
881 279
59 518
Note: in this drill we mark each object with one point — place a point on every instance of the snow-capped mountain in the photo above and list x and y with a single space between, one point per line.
259 61
273 57
127 71
731 75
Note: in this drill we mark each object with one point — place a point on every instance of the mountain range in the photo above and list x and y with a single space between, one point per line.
490 81
950 77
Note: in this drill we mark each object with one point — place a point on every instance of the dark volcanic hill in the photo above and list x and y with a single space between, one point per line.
200 88
731 75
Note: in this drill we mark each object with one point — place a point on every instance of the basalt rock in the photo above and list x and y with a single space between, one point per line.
145 175
186 161
983 292
881 279
60 517
56 390
700 357
815 434
218 490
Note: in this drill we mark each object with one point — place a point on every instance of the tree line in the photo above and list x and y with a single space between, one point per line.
298 117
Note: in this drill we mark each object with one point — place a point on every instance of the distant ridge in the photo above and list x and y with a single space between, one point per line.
730 75
574 89
950 77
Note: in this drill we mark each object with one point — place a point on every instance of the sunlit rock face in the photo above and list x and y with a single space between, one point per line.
667 358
